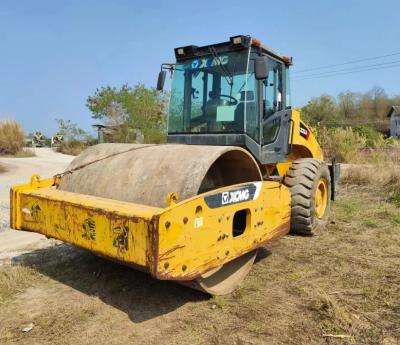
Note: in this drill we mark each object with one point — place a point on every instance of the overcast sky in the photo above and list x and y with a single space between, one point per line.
55 53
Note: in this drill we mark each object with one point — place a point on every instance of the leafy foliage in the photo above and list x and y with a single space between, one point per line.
71 131
320 111
351 122
131 108
342 143
346 143
351 109
373 138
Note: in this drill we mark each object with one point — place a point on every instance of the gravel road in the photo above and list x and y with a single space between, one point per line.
46 163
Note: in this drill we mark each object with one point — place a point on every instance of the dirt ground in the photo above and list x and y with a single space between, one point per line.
302 290
46 163
343 282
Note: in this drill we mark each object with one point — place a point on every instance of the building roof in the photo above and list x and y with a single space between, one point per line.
394 110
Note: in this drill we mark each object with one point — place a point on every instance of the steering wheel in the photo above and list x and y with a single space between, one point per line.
232 100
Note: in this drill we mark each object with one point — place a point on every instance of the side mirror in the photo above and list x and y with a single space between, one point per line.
261 68
161 80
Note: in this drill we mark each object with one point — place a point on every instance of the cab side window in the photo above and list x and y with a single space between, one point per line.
272 101
273 88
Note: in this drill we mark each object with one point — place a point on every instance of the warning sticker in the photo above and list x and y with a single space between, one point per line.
198 222
304 132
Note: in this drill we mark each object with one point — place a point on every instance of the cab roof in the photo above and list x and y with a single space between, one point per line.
235 43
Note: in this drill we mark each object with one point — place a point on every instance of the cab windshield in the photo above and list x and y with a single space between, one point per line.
214 94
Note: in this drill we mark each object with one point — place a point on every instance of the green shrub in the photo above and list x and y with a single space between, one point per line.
373 138
394 197
154 135
392 141
343 143
127 133
11 137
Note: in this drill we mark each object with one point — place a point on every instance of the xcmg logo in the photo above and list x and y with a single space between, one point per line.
235 196
210 62
244 193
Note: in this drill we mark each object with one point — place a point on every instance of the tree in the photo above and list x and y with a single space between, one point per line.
320 111
130 108
373 108
351 109
380 102
109 104
71 131
348 104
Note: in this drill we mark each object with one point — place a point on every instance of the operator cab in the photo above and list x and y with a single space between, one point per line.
231 93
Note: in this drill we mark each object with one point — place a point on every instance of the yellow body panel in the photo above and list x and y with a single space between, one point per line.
179 242
302 147
111 228
193 242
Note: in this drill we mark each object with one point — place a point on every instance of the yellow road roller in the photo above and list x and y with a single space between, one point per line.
240 169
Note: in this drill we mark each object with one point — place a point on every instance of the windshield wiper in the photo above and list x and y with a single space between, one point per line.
245 81
221 66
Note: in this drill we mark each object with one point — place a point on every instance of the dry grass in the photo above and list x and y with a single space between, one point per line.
386 177
73 148
14 279
11 137
382 172
2 169
344 282
23 153
387 155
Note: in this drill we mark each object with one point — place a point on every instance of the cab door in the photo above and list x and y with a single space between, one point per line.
276 118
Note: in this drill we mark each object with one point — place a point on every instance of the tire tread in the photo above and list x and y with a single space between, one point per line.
300 179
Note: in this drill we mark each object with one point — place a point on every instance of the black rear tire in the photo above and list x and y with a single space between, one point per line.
310 184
